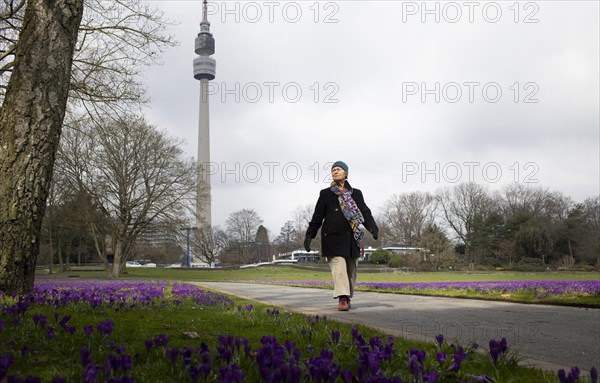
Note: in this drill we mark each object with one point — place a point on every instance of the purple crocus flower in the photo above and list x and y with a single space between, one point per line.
414 366
88 330
5 362
459 356
494 354
40 319
161 340
126 362
194 373
335 336
149 343
439 339
186 355
497 349
90 373
107 366
322 368
231 374
106 327
441 357
431 377
84 356
373 360
562 376
594 375
25 350
59 379
503 345
172 354
346 376
50 332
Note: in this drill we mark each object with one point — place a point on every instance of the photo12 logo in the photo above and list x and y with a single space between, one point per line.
274 91
469 11
274 11
472 171
268 171
469 91
527 332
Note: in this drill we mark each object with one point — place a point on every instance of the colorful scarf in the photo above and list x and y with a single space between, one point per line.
351 211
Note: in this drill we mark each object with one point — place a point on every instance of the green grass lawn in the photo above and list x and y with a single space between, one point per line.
320 273
189 324
365 274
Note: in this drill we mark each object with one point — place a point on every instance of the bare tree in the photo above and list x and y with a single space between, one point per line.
136 175
31 119
519 198
116 40
243 224
591 245
465 207
407 215
286 240
208 243
301 217
241 228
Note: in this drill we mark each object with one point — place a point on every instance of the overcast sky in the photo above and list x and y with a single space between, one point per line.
410 96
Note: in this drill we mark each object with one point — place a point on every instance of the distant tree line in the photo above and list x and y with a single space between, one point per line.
123 190
519 227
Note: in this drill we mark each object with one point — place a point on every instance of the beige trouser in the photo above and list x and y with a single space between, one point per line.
344 275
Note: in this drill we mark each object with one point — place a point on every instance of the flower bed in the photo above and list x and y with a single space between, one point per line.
101 347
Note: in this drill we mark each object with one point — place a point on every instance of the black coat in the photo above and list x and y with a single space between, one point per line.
336 233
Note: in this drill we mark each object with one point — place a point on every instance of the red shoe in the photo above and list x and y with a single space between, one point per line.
344 304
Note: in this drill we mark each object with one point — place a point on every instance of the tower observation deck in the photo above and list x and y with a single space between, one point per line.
204 71
204 66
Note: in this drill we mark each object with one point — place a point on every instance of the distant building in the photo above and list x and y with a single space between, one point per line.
159 244
300 256
404 250
366 254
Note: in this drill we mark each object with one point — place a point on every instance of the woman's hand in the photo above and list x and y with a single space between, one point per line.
307 244
375 233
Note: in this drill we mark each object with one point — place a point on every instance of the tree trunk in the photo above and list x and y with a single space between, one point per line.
116 266
30 125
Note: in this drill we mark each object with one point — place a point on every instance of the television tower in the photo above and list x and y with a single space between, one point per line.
204 70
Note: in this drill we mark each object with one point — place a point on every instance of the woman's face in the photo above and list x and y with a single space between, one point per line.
338 174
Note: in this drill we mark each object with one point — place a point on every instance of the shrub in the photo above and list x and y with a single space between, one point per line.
425 266
530 264
396 260
584 267
380 257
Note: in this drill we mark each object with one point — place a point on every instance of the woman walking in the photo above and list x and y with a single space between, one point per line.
342 212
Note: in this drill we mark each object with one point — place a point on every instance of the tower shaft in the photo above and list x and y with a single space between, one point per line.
204 71
203 199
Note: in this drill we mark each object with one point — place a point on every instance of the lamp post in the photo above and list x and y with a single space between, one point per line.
187 254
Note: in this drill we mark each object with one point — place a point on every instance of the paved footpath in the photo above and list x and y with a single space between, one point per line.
549 337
